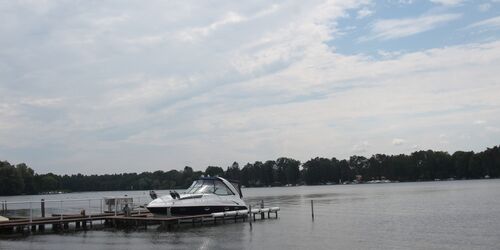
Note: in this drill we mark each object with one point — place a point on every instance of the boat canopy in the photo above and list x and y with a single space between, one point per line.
209 186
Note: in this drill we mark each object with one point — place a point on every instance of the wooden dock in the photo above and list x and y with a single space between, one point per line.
134 220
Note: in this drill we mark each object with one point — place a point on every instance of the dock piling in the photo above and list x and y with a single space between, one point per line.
42 207
312 209
250 215
139 201
31 212
262 214
61 210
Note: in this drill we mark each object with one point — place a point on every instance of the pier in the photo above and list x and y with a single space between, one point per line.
136 218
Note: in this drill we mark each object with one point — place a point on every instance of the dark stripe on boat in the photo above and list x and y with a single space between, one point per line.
194 210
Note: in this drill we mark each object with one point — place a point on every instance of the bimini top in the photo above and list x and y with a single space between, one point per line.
214 185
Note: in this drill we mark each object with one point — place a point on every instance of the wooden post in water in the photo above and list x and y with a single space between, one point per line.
139 201
60 209
312 209
31 212
116 208
42 207
250 215
262 215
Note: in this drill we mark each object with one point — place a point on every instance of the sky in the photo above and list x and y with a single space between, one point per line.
129 86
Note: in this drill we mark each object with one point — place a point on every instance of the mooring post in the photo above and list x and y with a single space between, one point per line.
138 201
262 215
250 215
116 208
42 207
90 207
31 212
312 209
60 210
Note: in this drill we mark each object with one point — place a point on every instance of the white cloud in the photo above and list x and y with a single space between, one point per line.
255 81
484 7
479 122
194 33
364 12
397 141
387 29
361 148
405 1
493 129
448 2
491 23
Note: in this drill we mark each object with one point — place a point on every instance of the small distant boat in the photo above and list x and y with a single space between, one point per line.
205 196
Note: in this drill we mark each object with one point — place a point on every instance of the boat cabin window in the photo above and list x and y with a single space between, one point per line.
208 187
221 189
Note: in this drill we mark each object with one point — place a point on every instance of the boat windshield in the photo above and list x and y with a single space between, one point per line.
208 187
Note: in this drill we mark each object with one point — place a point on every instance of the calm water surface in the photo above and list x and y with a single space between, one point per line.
428 215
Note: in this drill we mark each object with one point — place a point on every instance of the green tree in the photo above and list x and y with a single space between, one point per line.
233 172
11 181
214 171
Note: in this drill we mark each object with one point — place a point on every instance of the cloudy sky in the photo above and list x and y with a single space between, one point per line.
132 86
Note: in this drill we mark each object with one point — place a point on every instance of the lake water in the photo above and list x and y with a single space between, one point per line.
426 215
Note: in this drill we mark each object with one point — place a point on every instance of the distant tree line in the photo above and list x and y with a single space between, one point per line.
418 166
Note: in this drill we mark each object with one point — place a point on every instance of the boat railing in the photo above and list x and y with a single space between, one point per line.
32 209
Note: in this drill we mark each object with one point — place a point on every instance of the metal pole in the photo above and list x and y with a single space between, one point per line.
312 209
101 206
60 210
250 215
31 212
90 207
262 215
116 208
139 201
42 207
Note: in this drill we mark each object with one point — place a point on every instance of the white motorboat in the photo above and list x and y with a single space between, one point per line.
205 196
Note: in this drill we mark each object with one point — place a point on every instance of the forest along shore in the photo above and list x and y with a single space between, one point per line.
419 166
